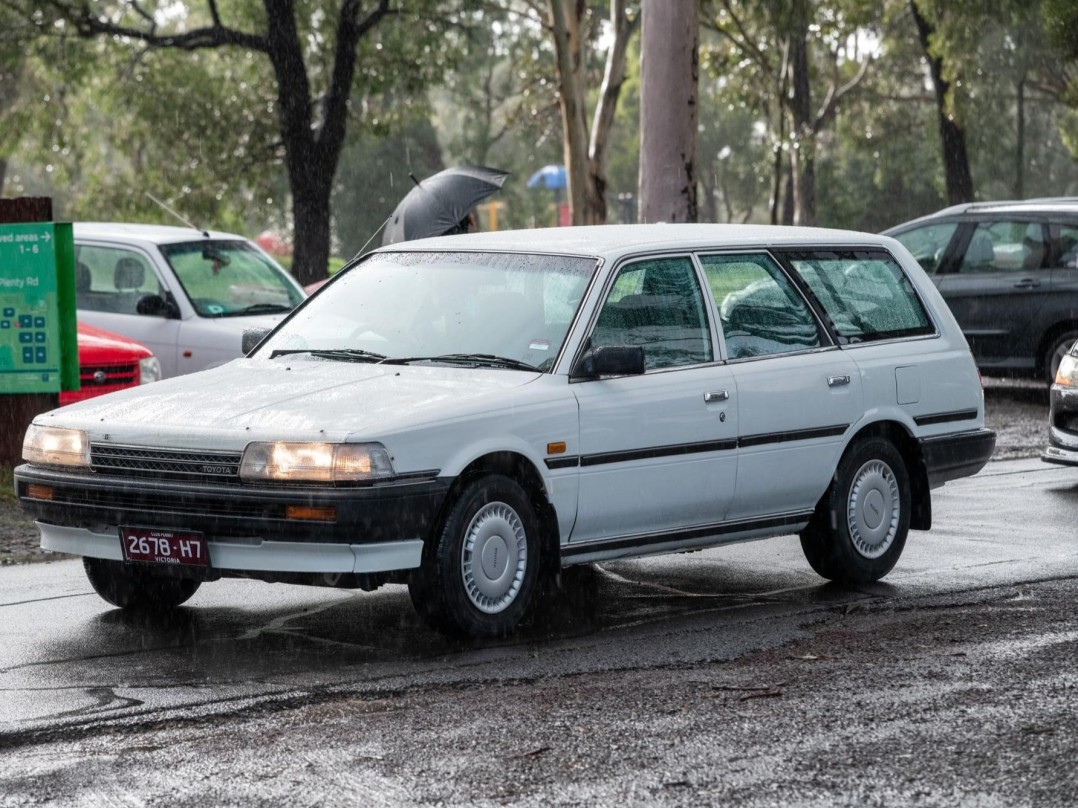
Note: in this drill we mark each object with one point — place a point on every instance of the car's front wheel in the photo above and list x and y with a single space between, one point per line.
860 526
131 587
480 573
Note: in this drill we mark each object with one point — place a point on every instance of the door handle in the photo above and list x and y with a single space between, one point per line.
1027 283
713 398
836 381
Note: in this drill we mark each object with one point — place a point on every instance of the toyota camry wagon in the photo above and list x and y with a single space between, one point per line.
468 415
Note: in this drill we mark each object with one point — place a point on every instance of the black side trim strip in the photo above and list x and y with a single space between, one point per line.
945 417
562 462
719 529
658 451
800 434
694 448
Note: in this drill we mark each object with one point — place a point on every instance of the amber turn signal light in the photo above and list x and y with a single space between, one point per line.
311 513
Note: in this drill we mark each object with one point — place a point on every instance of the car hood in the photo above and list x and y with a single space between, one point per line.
97 346
295 398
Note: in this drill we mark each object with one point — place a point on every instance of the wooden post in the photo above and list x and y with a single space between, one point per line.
17 411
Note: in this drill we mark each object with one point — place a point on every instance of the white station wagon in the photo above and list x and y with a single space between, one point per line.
470 414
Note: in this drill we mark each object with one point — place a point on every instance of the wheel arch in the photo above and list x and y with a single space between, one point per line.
1050 335
899 436
521 470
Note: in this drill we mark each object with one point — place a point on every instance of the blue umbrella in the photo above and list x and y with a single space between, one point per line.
552 177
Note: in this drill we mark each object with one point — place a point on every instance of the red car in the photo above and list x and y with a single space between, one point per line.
109 362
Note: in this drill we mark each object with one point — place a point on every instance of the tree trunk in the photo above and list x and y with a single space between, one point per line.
584 153
1019 144
803 140
565 17
669 73
952 135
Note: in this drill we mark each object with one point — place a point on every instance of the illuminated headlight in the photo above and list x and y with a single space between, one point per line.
315 462
149 370
51 446
1067 375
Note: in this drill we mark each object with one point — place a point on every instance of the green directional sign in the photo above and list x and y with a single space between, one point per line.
38 341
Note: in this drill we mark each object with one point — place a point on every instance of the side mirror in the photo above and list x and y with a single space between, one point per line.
610 360
251 338
156 306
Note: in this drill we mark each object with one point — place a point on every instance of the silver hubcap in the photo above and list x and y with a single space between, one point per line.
494 557
873 509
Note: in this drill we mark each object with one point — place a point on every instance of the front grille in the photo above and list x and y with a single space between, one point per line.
113 374
174 463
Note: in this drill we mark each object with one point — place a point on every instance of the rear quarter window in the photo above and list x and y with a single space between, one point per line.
865 295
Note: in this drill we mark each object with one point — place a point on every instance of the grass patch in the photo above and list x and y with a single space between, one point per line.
7 486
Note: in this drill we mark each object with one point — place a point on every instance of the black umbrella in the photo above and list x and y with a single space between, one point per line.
439 203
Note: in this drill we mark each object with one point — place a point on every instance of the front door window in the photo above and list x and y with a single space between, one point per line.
659 305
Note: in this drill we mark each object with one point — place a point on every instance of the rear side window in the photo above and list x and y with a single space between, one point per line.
761 313
866 295
113 280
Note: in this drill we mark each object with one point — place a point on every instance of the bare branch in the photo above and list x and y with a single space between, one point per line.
835 94
743 41
214 36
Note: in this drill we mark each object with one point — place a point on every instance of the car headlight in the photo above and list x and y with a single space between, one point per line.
149 370
52 446
287 461
1067 375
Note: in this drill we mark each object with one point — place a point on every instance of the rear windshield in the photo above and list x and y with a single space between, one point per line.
866 295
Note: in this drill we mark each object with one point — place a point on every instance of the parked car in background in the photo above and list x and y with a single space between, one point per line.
186 294
109 362
471 413
1063 413
1009 273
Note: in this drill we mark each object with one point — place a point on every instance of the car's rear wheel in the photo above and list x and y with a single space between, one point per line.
859 529
480 572
1058 348
132 587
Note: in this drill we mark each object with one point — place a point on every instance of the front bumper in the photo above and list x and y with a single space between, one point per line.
948 457
374 528
1062 427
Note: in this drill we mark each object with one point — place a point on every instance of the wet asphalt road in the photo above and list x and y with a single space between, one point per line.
727 676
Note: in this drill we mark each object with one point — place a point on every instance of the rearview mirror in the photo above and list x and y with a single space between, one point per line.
251 338
610 360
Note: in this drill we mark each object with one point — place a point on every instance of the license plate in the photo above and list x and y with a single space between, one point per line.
153 546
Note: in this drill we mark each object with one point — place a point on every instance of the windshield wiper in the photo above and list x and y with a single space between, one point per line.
340 354
258 308
479 359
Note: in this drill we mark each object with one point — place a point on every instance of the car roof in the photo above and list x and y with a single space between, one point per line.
1057 204
145 233
614 241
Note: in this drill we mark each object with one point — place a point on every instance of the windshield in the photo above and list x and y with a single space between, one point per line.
446 307
231 278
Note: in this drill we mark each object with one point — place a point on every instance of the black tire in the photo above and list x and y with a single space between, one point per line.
859 529
480 570
1057 349
136 588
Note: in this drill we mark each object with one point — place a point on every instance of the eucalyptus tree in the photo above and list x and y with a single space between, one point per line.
585 147
801 59
669 83
318 54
